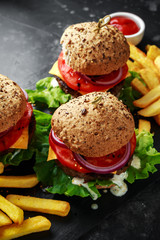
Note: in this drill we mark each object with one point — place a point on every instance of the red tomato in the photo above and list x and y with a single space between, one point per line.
78 81
12 135
65 156
125 25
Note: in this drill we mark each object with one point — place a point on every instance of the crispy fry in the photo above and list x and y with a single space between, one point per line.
1 168
152 52
157 63
31 225
133 66
138 85
14 212
149 98
157 119
28 181
4 219
151 110
144 125
50 206
149 77
139 56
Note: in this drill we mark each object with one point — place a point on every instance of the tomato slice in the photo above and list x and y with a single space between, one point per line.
65 156
79 82
12 135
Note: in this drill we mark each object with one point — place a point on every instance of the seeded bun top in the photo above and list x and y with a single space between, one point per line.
94 124
94 53
12 103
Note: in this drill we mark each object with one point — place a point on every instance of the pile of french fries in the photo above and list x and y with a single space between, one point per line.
148 66
12 223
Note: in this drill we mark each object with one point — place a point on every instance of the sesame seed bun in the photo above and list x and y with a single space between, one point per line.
94 53
94 124
13 103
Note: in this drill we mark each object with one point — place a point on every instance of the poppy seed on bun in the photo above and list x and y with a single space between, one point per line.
93 52
12 103
93 125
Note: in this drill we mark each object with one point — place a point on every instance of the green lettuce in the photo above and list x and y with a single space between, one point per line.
128 94
46 93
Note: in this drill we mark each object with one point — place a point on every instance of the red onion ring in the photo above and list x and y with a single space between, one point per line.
25 93
104 170
97 82
56 140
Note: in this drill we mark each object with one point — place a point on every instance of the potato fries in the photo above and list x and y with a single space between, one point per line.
157 119
157 62
149 98
144 125
149 77
14 212
152 52
4 219
50 206
1 168
139 86
140 57
31 225
151 110
28 181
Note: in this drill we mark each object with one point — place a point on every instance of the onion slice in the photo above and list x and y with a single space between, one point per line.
104 170
25 93
97 80
56 140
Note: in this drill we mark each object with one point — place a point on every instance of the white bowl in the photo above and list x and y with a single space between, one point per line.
137 37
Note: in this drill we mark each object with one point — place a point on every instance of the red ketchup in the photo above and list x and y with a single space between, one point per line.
125 25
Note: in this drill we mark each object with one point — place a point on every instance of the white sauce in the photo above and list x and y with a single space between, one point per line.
121 187
54 83
94 206
136 162
80 182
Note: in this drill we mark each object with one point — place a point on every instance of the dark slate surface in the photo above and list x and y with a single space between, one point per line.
29 44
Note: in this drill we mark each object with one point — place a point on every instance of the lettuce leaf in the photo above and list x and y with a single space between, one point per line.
128 94
148 156
46 93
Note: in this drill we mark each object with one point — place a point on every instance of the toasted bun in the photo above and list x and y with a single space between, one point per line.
93 127
12 103
94 53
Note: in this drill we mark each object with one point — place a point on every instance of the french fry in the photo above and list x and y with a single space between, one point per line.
31 225
157 119
12 211
1 168
139 56
152 110
149 77
50 206
144 125
28 181
133 66
139 86
152 52
4 219
149 98
157 63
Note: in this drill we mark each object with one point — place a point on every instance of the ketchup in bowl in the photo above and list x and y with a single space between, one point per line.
126 25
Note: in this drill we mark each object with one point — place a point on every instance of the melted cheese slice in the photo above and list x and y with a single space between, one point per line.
55 70
22 142
51 154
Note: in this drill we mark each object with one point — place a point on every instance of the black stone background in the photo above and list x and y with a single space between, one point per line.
29 45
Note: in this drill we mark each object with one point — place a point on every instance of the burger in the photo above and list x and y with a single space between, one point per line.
17 122
93 58
92 139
